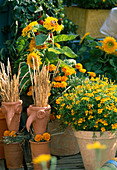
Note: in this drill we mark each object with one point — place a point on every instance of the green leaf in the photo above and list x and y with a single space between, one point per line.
32 8
113 62
68 52
64 37
39 27
40 39
56 50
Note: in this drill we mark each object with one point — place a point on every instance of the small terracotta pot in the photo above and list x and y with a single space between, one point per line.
63 142
12 111
38 148
13 155
38 117
3 127
89 156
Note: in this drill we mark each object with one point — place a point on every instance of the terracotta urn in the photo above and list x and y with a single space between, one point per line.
3 127
89 156
38 117
14 155
38 148
12 111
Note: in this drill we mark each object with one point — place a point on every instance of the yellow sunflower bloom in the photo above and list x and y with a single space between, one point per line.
109 45
37 59
42 158
51 23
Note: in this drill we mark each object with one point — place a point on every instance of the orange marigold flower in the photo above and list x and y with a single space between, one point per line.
64 78
12 133
38 138
78 66
52 67
82 70
6 133
29 93
58 78
63 84
46 136
92 74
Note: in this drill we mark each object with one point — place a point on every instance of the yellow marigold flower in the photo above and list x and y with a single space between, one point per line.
66 94
85 98
82 70
95 145
63 104
109 45
42 158
103 129
6 133
51 23
36 57
86 112
98 98
58 116
12 133
63 84
84 37
106 115
90 117
92 74
114 126
38 138
84 127
78 66
52 67
100 111
46 136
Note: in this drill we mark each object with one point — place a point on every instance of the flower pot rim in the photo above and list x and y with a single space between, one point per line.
39 143
12 103
37 107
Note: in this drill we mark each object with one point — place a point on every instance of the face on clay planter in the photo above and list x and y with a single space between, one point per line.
12 111
38 117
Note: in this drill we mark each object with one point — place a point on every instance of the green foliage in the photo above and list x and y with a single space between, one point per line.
92 4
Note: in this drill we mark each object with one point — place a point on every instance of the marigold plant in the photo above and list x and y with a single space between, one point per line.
90 106
42 138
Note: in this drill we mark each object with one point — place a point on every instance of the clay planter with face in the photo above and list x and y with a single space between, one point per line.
38 117
12 111
3 127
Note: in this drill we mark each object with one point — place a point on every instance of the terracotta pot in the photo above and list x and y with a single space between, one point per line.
3 127
38 117
13 155
63 142
89 156
38 148
12 111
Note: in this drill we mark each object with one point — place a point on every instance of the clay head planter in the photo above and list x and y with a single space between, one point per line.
12 111
38 117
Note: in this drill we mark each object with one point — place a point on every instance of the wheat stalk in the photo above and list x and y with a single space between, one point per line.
9 84
41 86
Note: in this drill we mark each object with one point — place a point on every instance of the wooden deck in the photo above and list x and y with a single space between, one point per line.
63 163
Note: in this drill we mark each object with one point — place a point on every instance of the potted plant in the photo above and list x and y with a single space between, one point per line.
13 148
40 145
90 108
10 91
90 15
39 112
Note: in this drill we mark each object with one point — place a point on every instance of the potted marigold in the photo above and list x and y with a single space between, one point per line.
40 145
91 109
13 148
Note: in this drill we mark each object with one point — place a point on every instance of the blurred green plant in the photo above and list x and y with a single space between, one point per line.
92 4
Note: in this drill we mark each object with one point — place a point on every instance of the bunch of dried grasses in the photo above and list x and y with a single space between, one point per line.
9 84
41 85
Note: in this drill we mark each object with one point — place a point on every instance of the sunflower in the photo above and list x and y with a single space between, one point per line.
37 59
29 28
51 23
109 45
33 45
84 37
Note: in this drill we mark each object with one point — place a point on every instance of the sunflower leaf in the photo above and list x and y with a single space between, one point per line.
40 39
64 37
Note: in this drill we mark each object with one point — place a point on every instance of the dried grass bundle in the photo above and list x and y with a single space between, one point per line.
41 85
9 84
